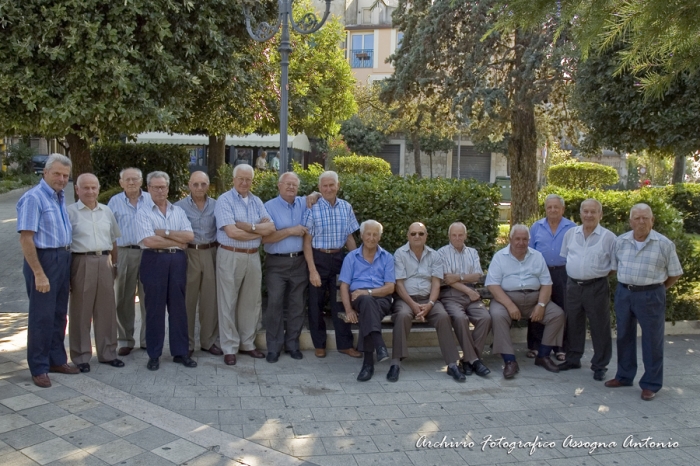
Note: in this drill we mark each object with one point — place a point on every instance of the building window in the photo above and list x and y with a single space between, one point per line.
399 39
366 16
362 53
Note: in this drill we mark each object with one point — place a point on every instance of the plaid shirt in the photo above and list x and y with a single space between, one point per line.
231 208
654 263
330 225
461 263
43 211
125 213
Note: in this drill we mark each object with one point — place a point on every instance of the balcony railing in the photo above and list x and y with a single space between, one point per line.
362 58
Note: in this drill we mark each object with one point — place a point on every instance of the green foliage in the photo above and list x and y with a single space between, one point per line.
582 175
21 154
361 138
359 164
225 174
111 158
107 194
10 182
686 198
336 147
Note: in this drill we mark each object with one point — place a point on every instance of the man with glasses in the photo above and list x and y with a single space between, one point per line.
241 222
201 265
125 205
164 231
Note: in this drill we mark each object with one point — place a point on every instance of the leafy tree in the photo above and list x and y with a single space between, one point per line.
619 117
582 175
662 38
430 144
361 138
493 82
21 154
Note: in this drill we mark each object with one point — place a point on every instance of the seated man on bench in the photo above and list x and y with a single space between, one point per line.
521 286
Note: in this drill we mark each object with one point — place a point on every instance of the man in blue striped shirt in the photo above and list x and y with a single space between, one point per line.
125 205
330 224
45 236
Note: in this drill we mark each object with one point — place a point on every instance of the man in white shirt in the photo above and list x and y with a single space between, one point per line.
588 251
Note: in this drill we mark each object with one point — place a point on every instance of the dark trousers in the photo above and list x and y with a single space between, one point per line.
370 312
592 301
281 274
328 267
535 330
649 309
46 324
164 278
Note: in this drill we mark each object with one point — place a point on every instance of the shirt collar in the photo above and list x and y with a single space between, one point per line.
82 206
48 189
506 251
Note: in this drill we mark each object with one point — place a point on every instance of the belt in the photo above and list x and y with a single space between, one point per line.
447 287
328 251
245 251
203 246
61 248
92 253
641 288
586 282
524 291
131 246
288 254
556 267
165 251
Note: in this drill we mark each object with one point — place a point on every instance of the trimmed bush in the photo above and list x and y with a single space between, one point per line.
686 198
107 194
361 164
109 159
582 175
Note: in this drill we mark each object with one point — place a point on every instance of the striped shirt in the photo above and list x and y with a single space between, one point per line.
654 263
417 274
150 218
286 215
513 275
93 229
232 208
203 221
330 225
125 213
43 211
548 244
460 263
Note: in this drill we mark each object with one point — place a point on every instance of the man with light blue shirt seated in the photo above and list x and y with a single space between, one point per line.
241 222
367 282
124 206
519 281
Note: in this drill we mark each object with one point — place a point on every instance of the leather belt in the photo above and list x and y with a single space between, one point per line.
92 253
287 254
556 267
447 287
203 246
525 291
641 288
244 251
131 246
60 248
328 251
165 251
586 282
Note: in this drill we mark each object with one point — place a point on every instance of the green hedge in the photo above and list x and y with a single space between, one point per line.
361 164
686 198
581 175
396 202
109 159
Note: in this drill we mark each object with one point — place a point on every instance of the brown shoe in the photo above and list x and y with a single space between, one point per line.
547 364
648 395
615 383
124 351
320 352
64 369
42 380
254 353
352 352
511 369
215 350
230 359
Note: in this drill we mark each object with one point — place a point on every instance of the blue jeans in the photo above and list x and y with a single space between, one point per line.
649 309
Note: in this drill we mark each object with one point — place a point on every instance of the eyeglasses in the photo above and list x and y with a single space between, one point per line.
419 233
132 180
200 185
244 180
158 188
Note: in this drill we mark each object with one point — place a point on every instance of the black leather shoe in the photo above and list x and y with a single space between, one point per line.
84 367
295 354
393 374
547 363
272 357
566 365
382 354
113 363
153 364
465 368
454 372
185 361
366 373
480 368
599 374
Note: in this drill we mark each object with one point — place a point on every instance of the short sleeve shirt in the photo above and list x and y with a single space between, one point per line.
548 244
360 274
203 221
417 275
93 229
513 275
654 263
588 258
330 225
231 208
150 218
43 211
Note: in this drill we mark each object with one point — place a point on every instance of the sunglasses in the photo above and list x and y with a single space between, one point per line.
419 233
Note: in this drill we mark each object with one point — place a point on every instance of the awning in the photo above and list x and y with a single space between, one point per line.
298 141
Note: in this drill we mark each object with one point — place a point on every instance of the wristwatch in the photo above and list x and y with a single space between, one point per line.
369 292
461 277
542 304
167 233
253 227
432 303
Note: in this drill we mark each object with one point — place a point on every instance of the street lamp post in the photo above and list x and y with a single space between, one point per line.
263 32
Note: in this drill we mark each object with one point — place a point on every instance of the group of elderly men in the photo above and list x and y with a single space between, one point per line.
202 255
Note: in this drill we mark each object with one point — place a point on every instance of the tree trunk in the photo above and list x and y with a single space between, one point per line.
79 150
415 141
679 168
430 155
522 153
216 158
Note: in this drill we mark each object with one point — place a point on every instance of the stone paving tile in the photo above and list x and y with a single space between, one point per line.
90 437
349 399
317 429
306 401
234 429
100 414
57 393
365 387
394 398
17 459
379 412
365 427
172 404
150 438
205 416
124 426
291 414
217 403
66 425
77 404
335 414
383 459
44 413
51 450
268 430
332 460
349 445
20 402
298 446
114 452
8 390
82 458
438 457
413 425
146 459
212 459
631 458
12 421
26 436
179 451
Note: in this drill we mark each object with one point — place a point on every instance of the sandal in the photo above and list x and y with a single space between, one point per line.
531 353
561 356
